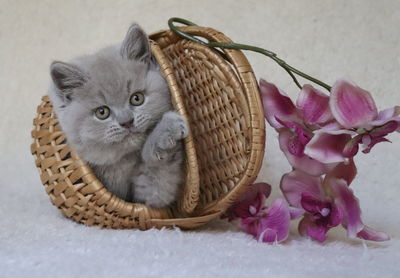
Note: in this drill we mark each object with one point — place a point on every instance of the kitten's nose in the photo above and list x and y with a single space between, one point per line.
127 124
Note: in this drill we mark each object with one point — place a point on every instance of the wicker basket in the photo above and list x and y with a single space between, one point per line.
219 97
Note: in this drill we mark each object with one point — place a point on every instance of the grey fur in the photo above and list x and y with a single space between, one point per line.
142 162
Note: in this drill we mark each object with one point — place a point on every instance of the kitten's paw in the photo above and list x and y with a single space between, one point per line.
160 154
172 128
163 142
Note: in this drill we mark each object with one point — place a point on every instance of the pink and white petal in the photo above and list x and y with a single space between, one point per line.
268 235
327 147
295 212
349 205
308 228
277 105
314 105
389 113
384 116
295 183
331 126
303 163
370 234
346 170
352 106
277 219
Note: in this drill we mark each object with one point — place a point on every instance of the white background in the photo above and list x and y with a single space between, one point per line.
327 39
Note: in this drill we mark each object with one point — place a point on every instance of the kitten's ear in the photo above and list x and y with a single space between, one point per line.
67 76
136 45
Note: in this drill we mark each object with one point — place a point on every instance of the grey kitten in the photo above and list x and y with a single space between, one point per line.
115 109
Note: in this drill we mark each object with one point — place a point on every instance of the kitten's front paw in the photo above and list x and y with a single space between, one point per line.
162 142
173 127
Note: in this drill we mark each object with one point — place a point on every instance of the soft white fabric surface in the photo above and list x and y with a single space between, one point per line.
327 39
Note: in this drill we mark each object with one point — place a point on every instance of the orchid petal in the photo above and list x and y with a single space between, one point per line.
385 129
268 235
295 183
295 212
307 227
303 163
277 105
331 126
366 139
345 170
250 225
327 147
303 224
351 148
351 106
314 104
387 115
254 191
349 205
336 216
373 142
317 232
275 226
370 234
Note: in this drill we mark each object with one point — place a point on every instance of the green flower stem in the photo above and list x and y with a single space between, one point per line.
289 69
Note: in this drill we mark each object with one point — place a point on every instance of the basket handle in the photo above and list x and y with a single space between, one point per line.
223 45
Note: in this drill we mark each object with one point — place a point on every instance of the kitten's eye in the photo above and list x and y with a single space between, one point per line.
102 112
137 99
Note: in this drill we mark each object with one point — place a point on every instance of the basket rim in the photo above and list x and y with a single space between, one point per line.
190 196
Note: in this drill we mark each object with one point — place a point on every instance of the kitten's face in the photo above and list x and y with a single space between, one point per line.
110 97
120 100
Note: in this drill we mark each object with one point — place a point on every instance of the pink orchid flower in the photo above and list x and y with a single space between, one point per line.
320 216
327 202
296 123
266 224
357 122
250 202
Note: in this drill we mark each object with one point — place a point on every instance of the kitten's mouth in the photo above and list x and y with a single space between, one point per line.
123 135
131 132
119 137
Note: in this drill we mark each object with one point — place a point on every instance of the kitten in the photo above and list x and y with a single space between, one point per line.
115 109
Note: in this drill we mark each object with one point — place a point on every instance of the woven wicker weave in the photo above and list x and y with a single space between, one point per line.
224 151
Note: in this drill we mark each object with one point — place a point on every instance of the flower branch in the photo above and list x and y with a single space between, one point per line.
292 71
